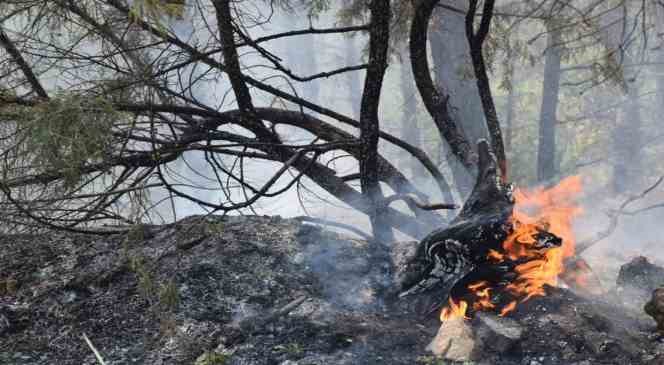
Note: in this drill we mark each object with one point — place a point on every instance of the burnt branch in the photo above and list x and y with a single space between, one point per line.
357 28
413 200
369 125
27 70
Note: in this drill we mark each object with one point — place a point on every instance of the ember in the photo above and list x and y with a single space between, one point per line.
540 240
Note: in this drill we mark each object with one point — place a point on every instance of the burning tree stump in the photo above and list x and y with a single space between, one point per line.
446 256
470 260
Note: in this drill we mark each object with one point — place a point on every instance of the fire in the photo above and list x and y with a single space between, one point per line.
539 210
454 310
482 292
535 213
508 308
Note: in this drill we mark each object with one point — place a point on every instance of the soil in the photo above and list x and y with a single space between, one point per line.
262 290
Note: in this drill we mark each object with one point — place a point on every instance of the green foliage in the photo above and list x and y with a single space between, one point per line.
215 228
64 133
163 298
164 294
8 286
168 296
317 7
155 9
212 358
147 285
136 234
292 349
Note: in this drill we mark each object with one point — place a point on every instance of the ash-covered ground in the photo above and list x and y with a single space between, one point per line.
264 290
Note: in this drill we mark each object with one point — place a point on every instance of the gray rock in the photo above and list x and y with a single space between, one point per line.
454 340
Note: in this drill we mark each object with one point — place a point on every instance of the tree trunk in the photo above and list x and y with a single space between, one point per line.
435 100
446 256
546 152
476 38
454 77
369 123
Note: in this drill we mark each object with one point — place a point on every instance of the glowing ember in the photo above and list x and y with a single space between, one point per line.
535 213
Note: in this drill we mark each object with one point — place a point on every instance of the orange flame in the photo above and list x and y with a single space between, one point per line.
508 308
551 210
454 310
482 292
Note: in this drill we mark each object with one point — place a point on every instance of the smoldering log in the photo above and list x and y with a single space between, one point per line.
449 259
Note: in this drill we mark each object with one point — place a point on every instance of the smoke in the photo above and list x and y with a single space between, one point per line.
596 132
350 272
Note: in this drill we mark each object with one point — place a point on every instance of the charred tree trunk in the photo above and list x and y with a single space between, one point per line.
476 40
435 100
449 259
369 124
452 65
546 152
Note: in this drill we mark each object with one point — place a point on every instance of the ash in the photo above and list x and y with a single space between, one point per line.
264 290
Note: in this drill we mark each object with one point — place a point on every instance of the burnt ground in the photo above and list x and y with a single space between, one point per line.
260 290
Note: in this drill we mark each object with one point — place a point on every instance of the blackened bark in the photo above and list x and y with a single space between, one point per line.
446 256
434 100
546 152
476 41
452 66
369 124
450 54
27 70
232 63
